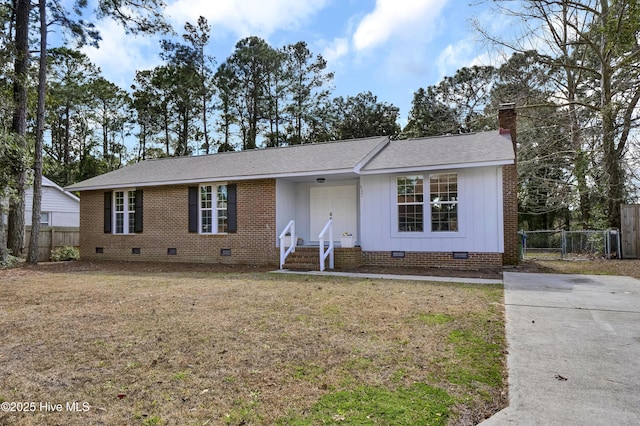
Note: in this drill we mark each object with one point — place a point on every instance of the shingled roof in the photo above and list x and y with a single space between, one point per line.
296 160
437 152
355 156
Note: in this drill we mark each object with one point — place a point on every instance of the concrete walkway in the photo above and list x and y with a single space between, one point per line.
392 277
574 350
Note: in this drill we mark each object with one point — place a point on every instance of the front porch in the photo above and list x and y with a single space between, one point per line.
311 202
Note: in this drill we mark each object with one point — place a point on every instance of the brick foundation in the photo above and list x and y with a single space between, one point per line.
433 259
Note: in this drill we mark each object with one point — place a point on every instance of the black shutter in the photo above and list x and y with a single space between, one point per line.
107 212
193 209
138 213
232 208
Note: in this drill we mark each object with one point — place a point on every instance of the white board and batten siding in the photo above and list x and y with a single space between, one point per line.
310 205
62 207
480 215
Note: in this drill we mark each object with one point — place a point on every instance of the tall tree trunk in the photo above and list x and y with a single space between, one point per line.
105 132
19 124
612 155
204 114
277 117
253 124
581 167
142 147
66 156
166 131
4 254
32 256
184 134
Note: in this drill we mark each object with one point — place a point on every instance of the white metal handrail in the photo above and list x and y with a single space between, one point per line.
329 252
291 230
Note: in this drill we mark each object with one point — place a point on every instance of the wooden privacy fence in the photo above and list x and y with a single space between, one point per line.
51 238
630 229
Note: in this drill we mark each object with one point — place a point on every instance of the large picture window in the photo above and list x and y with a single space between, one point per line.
410 198
443 189
213 209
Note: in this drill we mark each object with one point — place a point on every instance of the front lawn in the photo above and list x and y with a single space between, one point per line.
126 347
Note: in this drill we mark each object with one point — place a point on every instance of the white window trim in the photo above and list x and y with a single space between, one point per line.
457 203
48 222
398 204
125 212
427 230
214 208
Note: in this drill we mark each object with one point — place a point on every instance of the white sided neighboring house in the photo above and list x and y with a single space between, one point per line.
59 207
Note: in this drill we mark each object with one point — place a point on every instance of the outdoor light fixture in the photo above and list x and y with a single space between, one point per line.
320 180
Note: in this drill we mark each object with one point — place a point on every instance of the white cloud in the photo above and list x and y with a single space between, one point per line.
464 53
245 17
338 48
120 54
407 19
454 56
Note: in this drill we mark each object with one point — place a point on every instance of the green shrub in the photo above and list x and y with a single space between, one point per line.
11 262
65 253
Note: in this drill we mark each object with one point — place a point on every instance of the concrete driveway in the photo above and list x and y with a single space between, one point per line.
574 350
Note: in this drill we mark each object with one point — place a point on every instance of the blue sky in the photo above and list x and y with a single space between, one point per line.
388 47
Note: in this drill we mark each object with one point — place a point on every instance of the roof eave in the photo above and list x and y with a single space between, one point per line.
205 180
52 184
412 169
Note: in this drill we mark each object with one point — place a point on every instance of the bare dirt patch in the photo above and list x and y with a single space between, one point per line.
209 344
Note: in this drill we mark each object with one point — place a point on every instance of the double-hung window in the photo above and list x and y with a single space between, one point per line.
124 203
443 190
213 209
123 211
410 198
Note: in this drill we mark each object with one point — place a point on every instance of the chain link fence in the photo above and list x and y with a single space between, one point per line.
560 244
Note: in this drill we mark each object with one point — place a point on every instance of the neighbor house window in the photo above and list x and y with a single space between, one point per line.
124 203
410 199
443 198
45 218
213 209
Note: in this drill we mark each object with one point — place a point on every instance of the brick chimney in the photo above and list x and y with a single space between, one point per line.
507 123
507 120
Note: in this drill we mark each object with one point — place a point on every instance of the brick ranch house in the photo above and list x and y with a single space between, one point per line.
445 201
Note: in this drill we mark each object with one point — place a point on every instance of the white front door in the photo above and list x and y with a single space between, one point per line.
338 201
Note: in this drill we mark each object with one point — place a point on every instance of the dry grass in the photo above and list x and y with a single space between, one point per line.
201 347
629 267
